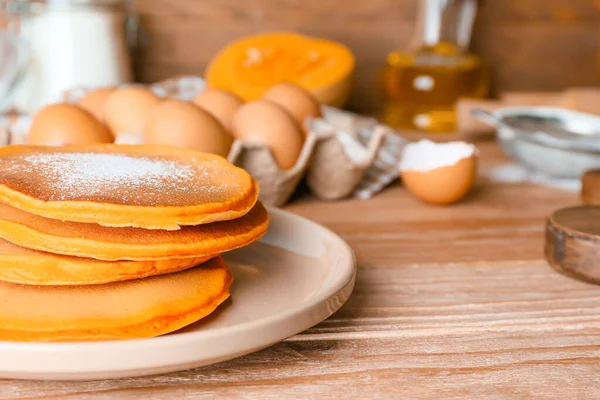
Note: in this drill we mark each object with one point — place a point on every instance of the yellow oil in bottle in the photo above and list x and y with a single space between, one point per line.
420 88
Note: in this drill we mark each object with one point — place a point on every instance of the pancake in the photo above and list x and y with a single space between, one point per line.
140 308
144 186
112 244
32 267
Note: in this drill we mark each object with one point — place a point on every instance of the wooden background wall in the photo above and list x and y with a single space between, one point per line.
532 45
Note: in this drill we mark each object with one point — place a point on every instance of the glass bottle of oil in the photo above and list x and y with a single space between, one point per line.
421 85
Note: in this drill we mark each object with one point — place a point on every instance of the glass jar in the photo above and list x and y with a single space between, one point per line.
71 44
421 85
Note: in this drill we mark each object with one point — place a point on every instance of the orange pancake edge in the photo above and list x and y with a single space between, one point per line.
122 215
217 238
33 267
162 317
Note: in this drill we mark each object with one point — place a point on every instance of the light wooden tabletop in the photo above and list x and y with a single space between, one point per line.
450 302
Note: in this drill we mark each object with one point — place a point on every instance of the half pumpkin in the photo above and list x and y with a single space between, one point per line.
251 65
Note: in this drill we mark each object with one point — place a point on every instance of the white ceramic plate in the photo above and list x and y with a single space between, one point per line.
295 277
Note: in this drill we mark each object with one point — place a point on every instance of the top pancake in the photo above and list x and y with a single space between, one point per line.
144 186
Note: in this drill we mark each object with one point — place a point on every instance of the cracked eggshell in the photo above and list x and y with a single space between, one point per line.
439 173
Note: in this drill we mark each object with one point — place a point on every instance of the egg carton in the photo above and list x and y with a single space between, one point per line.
343 154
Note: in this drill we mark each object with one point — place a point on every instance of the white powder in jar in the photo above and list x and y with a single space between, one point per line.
72 46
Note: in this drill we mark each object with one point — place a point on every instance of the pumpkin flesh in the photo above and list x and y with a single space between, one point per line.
251 65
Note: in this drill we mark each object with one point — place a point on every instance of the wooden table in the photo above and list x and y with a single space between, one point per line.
450 302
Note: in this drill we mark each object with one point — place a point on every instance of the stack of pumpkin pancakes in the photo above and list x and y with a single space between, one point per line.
109 242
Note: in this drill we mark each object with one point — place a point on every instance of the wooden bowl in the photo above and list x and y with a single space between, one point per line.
573 242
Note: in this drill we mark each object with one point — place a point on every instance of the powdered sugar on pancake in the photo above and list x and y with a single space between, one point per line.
113 178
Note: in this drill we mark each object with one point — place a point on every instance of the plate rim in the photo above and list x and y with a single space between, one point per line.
199 335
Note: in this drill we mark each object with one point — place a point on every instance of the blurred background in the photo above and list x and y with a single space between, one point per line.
530 45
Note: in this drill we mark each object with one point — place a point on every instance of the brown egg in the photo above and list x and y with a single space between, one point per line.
94 101
180 123
295 100
65 124
126 109
266 122
220 104
439 173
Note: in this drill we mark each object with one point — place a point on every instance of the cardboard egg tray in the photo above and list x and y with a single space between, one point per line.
344 154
